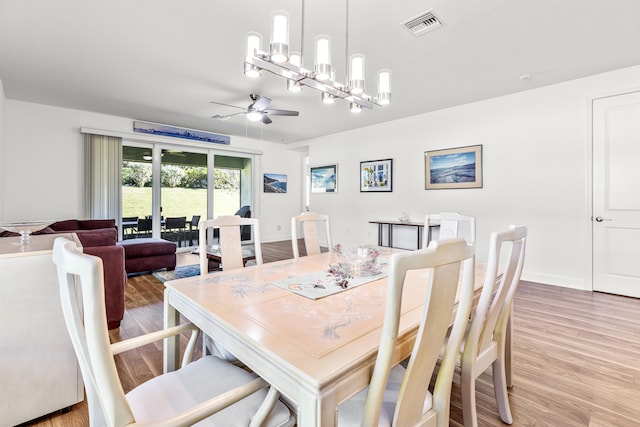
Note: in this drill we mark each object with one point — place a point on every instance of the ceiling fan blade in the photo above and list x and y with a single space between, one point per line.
226 105
265 119
281 112
227 117
261 103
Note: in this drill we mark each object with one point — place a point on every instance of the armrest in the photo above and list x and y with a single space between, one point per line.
135 342
211 406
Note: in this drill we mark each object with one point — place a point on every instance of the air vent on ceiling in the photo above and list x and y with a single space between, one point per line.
423 23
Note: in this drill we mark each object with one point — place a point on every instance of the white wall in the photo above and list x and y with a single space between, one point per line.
2 156
536 148
44 165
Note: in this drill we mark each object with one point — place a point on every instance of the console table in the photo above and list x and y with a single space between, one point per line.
419 227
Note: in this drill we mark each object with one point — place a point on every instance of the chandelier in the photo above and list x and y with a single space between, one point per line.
279 61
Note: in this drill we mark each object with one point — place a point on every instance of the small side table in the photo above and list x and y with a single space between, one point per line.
419 226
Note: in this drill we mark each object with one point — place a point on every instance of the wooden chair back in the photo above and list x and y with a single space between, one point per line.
484 344
451 224
449 261
86 321
310 222
229 239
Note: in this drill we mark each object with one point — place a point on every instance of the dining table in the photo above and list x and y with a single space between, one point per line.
316 351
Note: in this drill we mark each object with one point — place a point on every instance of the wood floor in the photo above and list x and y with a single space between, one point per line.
577 355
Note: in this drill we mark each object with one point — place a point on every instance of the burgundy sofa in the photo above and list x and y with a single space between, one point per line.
98 237
148 254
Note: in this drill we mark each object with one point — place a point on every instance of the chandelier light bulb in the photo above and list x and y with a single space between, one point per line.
279 48
294 59
327 98
356 78
254 42
384 87
323 57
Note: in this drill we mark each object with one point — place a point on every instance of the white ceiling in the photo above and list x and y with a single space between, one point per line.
165 60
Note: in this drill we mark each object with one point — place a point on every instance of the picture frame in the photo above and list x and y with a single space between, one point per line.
459 167
324 179
274 183
376 176
178 132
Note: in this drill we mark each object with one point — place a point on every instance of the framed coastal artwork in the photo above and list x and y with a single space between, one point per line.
324 179
459 167
274 183
376 176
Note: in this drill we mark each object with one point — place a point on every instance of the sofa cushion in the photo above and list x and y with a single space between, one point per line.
46 230
100 237
92 224
146 247
66 225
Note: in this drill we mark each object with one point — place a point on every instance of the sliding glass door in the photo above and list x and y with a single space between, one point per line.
166 190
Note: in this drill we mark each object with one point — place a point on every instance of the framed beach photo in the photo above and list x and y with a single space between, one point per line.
453 168
274 183
376 176
324 179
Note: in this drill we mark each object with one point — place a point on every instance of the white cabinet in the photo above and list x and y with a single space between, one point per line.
39 373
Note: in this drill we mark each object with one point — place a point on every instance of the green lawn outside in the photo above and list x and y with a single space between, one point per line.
178 202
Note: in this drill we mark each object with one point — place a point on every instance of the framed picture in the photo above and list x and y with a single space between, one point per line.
453 168
177 132
324 179
274 183
376 176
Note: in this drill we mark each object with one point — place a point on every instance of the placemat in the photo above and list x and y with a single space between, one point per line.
319 284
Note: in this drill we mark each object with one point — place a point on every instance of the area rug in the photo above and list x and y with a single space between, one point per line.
179 273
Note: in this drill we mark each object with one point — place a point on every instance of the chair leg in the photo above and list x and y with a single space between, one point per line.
468 396
500 389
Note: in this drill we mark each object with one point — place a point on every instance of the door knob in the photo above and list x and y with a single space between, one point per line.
600 219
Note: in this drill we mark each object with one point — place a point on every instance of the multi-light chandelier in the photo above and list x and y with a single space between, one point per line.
279 61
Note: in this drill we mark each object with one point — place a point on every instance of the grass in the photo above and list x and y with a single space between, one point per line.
177 202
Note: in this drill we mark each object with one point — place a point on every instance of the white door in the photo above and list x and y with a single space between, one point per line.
616 194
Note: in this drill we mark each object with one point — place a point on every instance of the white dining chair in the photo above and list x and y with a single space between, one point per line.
209 390
398 396
229 239
449 224
484 343
310 221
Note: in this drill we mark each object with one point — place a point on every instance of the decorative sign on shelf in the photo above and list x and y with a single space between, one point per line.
177 132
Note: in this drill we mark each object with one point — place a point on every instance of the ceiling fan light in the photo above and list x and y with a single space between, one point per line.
279 47
254 116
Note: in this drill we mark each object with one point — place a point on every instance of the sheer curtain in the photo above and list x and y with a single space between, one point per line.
103 176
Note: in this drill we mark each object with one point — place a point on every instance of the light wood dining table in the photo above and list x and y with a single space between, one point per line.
316 353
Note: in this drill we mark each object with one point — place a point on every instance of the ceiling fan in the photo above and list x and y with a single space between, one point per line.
257 111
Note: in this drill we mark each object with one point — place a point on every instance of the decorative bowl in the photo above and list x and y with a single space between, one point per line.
25 228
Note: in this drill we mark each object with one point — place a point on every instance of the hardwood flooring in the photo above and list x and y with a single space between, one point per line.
576 355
